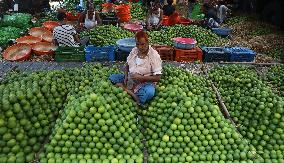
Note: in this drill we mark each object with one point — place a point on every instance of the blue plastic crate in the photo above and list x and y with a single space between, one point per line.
222 31
241 54
126 44
105 53
215 54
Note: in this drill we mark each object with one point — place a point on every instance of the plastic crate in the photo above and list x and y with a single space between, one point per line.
215 54
105 53
121 55
68 50
70 54
70 58
166 52
191 55
241 54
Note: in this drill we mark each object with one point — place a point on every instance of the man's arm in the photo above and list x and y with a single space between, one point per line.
141 78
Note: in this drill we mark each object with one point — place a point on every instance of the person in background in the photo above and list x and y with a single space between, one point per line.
143 68
210 18
169 9
90 18
155 16
222 12
66 35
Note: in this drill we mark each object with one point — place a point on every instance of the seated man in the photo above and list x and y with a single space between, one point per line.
66 35
169 9
143 70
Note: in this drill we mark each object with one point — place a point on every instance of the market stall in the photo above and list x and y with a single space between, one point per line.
219 98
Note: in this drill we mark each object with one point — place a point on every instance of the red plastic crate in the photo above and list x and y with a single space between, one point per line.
166 52
191 55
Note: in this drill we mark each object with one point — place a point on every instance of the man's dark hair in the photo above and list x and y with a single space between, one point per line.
61 16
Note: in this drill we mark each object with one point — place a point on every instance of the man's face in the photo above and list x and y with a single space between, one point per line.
142 45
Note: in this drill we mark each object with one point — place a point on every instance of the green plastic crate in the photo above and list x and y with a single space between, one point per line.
70 58
64 49
70 54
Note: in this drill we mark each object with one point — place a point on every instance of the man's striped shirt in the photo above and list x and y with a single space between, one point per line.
63 34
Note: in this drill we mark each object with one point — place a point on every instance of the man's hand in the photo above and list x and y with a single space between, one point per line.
137 77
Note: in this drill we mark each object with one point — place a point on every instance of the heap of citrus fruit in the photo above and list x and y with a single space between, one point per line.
100 125
77 115
184 124
29 106
204 37
138 12
255 107
275 75
107 35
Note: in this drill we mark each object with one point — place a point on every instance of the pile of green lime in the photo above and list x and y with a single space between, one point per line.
107 35
78 115
138 12
204 37
275 75
237 19
99 126
30 104
277 53
255 107
184 124
261 30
